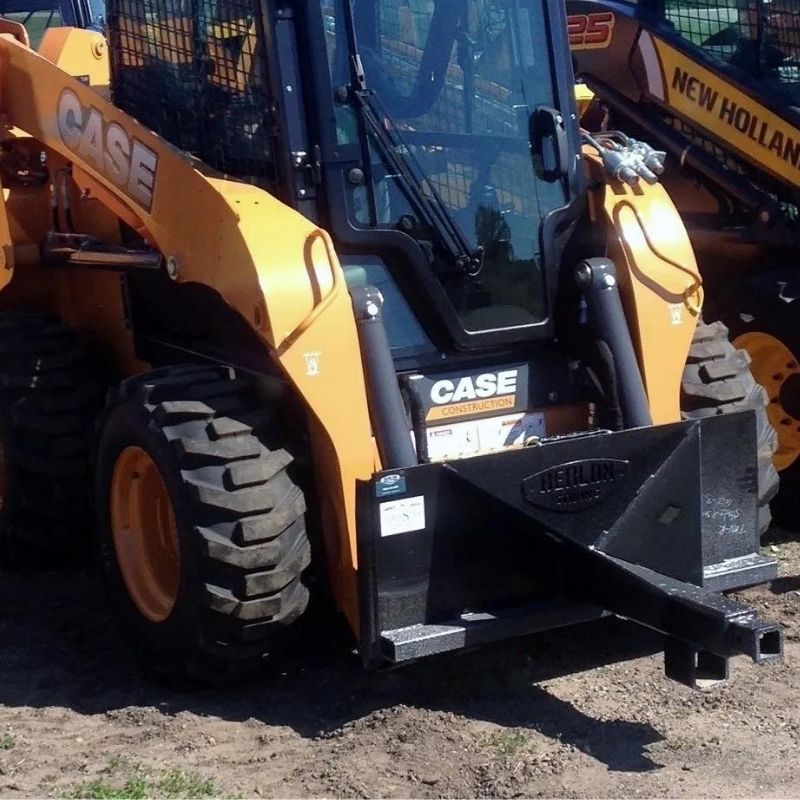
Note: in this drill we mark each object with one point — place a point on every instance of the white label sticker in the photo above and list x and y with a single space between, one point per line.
403 516
676 313
312 363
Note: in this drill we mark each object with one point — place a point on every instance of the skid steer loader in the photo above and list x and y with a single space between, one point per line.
715 85
361 311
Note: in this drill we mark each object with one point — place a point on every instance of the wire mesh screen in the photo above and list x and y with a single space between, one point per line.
476 99
194 72
758 36
788 198
404 27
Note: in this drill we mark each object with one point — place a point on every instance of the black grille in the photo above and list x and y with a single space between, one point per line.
723 155
789 200
193 71
758 36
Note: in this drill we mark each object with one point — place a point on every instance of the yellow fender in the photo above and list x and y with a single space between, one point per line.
659 281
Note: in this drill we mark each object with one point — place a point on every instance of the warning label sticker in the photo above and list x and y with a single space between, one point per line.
402 516
461 439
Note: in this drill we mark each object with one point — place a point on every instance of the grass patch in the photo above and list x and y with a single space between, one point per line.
136 788
7 742
508 743
123 780
681 743
177 783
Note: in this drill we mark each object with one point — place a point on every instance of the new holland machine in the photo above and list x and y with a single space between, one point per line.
715 84
297 295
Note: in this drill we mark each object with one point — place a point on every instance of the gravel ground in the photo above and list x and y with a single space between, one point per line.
580 712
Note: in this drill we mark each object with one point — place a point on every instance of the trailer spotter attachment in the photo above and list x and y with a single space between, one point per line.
456 554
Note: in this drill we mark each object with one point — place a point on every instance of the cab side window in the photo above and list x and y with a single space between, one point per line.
36 16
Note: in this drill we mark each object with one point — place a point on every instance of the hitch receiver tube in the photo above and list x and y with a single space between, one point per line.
704 629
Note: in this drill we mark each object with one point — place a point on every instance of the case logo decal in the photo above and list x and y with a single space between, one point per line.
470 394
107 147
473 394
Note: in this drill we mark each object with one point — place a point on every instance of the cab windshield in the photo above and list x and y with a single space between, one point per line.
455 82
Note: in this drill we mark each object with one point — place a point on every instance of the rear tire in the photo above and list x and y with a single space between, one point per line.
763 315
49 400
240 543
717 380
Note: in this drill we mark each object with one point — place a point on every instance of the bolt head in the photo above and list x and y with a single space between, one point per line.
583 276
356 176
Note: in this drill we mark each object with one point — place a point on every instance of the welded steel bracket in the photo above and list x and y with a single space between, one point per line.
647 524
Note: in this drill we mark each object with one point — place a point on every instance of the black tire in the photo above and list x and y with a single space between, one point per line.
240 518
717 380
769 303
49 400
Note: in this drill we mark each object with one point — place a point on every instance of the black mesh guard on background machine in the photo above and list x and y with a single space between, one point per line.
193 71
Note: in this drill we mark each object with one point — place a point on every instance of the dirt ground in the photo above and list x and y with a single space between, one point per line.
580 712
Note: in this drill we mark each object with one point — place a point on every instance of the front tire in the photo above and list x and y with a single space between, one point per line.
201 529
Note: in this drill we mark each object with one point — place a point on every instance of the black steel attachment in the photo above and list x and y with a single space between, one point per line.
647 523
597 279
549 143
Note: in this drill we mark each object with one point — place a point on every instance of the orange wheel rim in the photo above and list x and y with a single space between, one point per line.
145 534
775 367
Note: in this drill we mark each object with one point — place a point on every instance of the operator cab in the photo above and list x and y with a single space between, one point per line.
759 40
436 141
434 106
